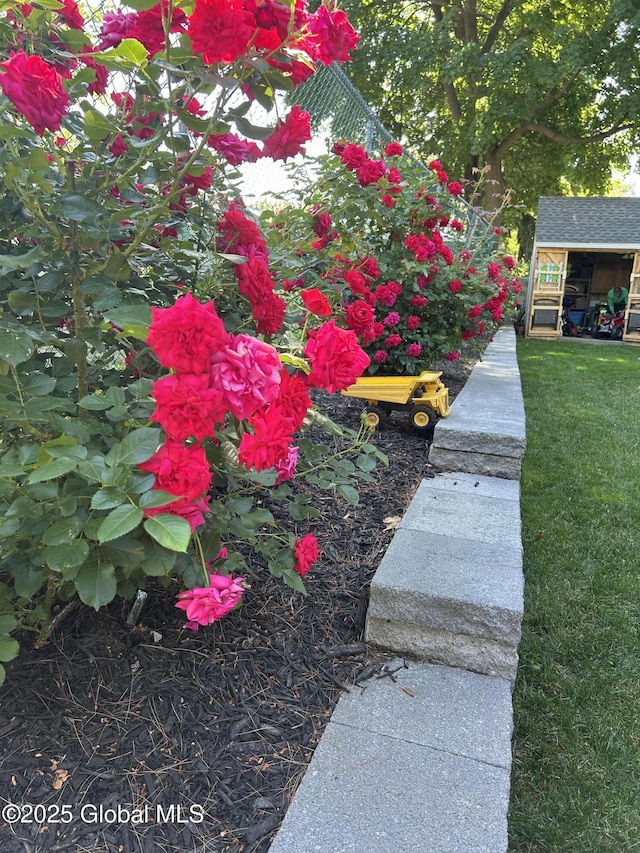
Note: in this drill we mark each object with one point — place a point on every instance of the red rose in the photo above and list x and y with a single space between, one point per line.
306 552
35 88
286 139
353 156
393 149
187 406
334 36
269 314
185 336
270 442
455 286
220 30
335 357
240 232
316 302
370 172
293 400
360 315
181 470
149 30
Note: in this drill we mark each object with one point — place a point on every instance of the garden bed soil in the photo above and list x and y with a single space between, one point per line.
153 738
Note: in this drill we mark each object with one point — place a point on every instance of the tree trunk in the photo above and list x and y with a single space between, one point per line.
494 187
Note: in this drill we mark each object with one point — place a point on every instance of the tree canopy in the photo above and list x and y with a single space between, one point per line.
545 92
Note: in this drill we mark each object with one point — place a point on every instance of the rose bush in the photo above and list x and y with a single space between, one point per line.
398 258
152 378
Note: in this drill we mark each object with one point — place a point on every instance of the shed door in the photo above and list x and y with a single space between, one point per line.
550 271
632 316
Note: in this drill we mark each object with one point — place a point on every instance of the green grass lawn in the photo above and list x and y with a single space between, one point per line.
576 767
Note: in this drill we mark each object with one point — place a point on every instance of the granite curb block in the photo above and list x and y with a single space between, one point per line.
485 431
449 588
418 762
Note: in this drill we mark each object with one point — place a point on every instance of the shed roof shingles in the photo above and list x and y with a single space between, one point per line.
575 221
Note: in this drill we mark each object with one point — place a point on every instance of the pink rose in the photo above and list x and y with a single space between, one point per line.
286 468
247 372
205 605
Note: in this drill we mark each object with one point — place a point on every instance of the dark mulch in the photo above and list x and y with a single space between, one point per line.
157 739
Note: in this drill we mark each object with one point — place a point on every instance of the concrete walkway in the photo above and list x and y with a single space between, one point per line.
419 760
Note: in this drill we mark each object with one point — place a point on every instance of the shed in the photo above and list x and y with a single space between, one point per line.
582 248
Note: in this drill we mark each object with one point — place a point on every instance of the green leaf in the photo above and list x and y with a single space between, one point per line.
155 498
38 384
98 126
10 470
16 346
246 128
134 320
293 579
68 556
365 462
7 623
62 532
257 518
350 495
170 531
35 408
158 561
125 551
120 521
21 302
9 648
28 580
108 498
3 675
93 469
66 451
80 208
13 263
240 505
94 403
51 470
96 584
137 447
126 57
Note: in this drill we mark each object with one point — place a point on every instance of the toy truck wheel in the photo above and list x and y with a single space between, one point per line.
422 417
374 416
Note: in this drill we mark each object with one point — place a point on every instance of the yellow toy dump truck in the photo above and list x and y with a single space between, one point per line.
424 397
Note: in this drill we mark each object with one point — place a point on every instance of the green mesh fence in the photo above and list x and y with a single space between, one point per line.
338 110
